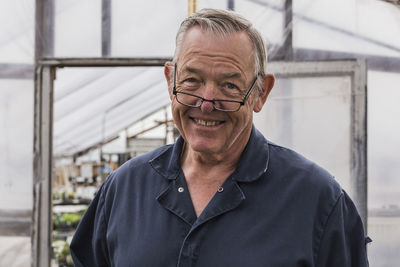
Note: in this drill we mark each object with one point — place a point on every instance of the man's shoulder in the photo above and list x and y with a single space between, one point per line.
280 155
298 169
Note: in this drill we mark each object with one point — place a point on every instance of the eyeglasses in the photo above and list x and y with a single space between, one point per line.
196 101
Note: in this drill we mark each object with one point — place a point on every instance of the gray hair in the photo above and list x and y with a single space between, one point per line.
222 23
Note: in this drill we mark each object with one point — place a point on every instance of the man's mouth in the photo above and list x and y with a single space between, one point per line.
206 123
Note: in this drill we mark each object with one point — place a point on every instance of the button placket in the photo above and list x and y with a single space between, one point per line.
189 252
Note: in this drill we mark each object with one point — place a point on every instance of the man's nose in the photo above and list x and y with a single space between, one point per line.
207 106
209 94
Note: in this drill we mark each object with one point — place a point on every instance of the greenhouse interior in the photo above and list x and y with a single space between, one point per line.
82 91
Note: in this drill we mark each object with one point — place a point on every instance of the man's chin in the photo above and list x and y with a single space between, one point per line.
205 147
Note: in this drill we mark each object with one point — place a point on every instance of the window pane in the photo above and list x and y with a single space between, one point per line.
16 137
312 116
77 28
369 27
146 28
93 104
17 20
384 168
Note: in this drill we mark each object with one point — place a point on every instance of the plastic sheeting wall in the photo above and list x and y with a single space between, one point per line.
384 167
16 141
347 26
144 29
16 123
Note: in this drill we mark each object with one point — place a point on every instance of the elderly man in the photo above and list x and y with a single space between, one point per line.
222 195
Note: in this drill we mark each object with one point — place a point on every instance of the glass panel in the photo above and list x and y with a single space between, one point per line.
92 104
15 251
221 4
383 139
384 168
146 28
312 116
162 18
77 28
267 17
16 137
17 31
132 21
369 27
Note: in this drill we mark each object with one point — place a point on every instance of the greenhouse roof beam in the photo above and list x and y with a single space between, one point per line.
44 35
105 62
378 63
106 28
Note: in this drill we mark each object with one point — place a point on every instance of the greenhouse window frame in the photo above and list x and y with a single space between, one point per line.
43 126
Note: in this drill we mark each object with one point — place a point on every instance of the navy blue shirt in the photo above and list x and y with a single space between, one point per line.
276 209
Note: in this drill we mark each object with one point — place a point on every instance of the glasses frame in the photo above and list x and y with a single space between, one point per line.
213 101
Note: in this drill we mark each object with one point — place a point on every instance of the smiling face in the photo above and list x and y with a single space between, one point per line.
214 67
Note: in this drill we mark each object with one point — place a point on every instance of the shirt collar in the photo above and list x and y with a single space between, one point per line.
253 161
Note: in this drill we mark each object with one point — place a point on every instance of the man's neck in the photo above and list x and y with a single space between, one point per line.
202 163
205 173
209 166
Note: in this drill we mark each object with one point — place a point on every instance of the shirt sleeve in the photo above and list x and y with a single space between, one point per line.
88 246
343 242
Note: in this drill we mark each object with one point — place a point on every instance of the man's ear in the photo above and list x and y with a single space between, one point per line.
268 81
168 73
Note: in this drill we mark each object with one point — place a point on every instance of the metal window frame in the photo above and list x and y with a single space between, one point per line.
43 127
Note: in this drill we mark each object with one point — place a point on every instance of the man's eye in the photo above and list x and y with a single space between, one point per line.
231 86
190 80
190 83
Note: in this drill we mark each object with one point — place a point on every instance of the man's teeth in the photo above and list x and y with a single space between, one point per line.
206 123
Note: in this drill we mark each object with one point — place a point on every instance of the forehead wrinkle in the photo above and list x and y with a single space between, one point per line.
191 54
225 75
202 44
235 71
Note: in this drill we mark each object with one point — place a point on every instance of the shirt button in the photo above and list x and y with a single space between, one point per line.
220 189
181 189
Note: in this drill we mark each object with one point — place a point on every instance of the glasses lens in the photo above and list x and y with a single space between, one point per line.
188 100
226 105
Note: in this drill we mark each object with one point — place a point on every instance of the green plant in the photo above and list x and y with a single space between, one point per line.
67 220
62 254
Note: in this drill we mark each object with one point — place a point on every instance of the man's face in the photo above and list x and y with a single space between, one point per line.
212 66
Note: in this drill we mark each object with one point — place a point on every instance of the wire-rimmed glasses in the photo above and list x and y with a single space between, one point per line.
195 101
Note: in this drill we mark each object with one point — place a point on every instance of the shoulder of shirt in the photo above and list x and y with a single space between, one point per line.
307 172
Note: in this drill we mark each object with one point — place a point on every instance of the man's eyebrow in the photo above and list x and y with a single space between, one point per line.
192 70
231 75
227 75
